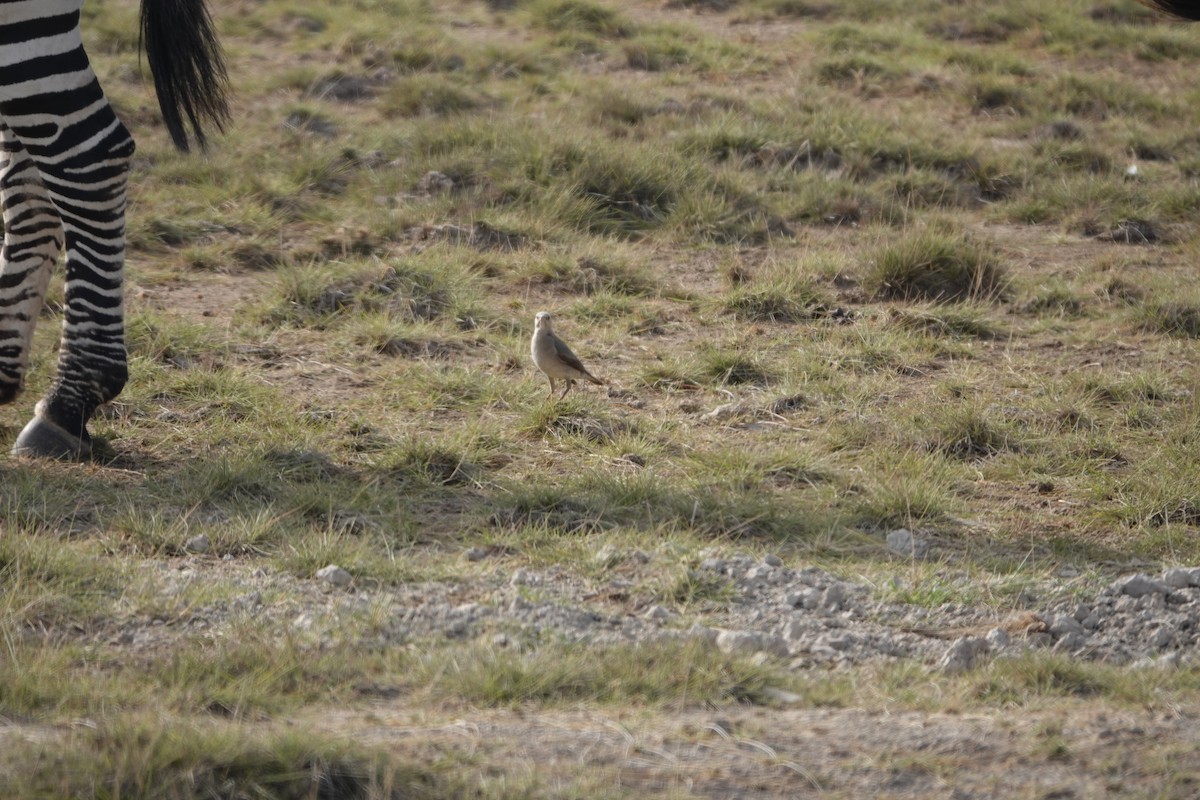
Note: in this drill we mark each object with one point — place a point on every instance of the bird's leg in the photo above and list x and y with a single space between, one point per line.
549 396
569 384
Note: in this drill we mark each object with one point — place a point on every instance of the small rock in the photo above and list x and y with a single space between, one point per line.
1180 598
1070 642
772 560
795 630
748 642
198 544
838 641
657 613
1064 625
433 182
833 598
1152 602
1140 585
782 696
902 542
811 598
523 577
963 654
476 554
727 411
335 575
1162 637
712 565
1039 639
998 638
1181 578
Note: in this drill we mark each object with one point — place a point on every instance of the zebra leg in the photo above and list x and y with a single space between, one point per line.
88 189
82 152
32 241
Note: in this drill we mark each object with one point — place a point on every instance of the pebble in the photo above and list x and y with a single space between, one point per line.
962 655
902 542
1064 625
1139 585
658 613
476 554
335 575
1180 578
749 642
198 544
1162 637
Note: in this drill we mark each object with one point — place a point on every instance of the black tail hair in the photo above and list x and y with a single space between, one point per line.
1184 9
188 68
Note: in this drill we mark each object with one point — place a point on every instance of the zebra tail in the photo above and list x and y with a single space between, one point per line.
188 68
1184 9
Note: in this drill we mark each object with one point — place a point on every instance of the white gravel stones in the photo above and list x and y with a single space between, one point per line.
758 609
335 575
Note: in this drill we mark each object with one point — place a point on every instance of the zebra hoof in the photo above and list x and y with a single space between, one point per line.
43 439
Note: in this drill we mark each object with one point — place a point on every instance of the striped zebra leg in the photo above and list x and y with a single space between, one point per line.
59 123
86 179
32 241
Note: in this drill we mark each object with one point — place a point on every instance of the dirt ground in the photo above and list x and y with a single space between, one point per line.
1070 752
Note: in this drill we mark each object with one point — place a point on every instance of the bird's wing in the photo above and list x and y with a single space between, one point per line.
567 357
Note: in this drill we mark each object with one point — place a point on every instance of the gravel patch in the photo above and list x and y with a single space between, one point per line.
806 617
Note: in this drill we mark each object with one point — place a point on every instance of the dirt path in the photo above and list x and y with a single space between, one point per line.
782 753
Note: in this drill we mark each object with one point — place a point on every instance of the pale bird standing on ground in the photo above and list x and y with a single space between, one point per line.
553 357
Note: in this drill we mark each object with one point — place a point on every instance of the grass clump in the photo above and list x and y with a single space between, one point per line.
968 432
135 758
939 266
579 16
651 674
918 488
1173 318
734 369
955 321
789 299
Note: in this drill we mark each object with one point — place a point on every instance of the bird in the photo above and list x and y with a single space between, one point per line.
554 358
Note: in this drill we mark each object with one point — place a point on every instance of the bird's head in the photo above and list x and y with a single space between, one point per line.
541 322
